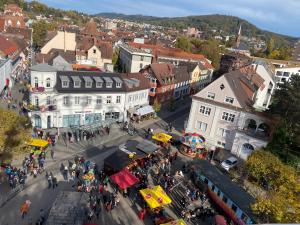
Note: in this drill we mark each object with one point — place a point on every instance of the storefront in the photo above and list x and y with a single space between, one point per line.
71 120
92 118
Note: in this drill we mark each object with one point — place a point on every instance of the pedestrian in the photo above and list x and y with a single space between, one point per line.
54 182
142 214
52 153
24 208
98 211
49 179
65 173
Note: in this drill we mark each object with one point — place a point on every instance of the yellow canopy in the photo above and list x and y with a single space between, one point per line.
38 143
175 222
162 137
155 197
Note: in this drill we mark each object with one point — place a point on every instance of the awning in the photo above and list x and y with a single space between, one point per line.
155 197
147 146
144 110
162 137
175 222
124 179
38 143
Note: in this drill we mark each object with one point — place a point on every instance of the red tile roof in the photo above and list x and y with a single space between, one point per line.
7 47
105 47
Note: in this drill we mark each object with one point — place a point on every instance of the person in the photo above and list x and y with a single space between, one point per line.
54 182
65 173
49 179
52 153
142 214
24 208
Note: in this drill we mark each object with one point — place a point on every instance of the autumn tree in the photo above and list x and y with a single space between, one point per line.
40 29
280 204
14 132
156 105
184 44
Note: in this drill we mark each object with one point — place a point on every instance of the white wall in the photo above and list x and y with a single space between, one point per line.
5 71
62 40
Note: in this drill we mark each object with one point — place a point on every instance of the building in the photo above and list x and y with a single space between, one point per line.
233 61
5 78
11 17
133 59
83 98
62 40
109 25
94 52
193 32
296 51
284 74
226 112
90 29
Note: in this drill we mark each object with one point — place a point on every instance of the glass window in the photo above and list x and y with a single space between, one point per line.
201 126
48 100
118 99
223 132
65 84
219 193
234 207
229 100
77 100
118 85
108 99
48 83
206 181
108 84
88 100
99 84
229 117
225 199
94 51
77 84
205 110
36 101
66 100
88 84
211 95
99 100
36 82
141 65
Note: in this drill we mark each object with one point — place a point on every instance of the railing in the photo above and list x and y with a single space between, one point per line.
255 134
38 89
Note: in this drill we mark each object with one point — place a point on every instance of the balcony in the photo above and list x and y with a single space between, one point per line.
37 90
43 108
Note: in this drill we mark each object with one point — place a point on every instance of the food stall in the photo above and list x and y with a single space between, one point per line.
193 145
156 198
162 139
124 179
38 146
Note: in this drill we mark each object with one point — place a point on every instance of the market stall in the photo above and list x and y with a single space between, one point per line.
162 139
124 179
38 146
147 147
155 197
192 145
143 113
175 222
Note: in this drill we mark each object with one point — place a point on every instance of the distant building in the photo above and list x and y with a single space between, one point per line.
193 32
11 17
240 46
109 25
296 51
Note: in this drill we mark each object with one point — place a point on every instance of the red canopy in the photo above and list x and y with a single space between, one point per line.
124 179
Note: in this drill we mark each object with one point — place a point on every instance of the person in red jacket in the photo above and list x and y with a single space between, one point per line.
142 214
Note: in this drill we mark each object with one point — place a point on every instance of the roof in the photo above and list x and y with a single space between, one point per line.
141 83
50 35
238 195
191 66
162 71
7 47
69 56
147 147
43 67
124 179
90 28
87 43
181 74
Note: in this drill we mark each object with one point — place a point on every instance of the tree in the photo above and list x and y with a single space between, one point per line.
40 29
156 105
285 107
14 132
171 104
281 201
184 44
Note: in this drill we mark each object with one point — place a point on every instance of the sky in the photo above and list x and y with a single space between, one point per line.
280 16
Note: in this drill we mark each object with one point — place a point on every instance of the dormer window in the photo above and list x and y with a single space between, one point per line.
77 84
88 82
94 51
65 84
118 85
229 100
64 81
76 81
108 82
211 95
118 82
99 84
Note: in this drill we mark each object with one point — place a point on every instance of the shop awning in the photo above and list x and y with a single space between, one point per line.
175 222
144 110
124 179
147 146
155 197
38 143
162 137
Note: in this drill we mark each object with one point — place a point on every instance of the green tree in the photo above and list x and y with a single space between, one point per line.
40 29
156 105
14 132
184 44
285 107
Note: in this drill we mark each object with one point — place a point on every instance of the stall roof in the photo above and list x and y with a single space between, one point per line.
147 147
124 179
120 159
147 109
38 142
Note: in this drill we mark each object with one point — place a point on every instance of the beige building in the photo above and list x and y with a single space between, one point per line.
61 40
225 112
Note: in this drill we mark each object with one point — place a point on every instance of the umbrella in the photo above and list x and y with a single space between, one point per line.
124 179
155 197
162 137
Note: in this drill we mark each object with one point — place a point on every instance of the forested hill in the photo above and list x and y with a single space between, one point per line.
228 24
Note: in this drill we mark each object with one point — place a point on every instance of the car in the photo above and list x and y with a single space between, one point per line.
229 163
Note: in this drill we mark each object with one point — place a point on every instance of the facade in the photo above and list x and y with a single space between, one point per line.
73 98
5 72
284 74
133 60
61 40
11 17
296 52
225 113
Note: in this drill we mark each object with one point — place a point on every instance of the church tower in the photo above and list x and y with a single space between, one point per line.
238 37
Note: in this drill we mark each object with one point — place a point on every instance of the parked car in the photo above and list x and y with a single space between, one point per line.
229 163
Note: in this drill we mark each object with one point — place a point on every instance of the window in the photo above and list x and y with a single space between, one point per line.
219 193
205 110
118 99
77 100
88 84
201 126
286 74
88 100
99 84
94 51
153 90
130 98
118 85
228 117
66 100
220 143
48 100
65 84
77 84
223 132
225 199
211 95
213 188
206 181
142 58
48 82
109 84
36 101
108 99
141 65
99 100
36 82
229 100
234 207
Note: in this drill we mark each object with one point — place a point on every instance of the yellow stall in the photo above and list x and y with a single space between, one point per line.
155 197
37 146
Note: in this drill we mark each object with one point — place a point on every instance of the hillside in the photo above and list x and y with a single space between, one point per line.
228 24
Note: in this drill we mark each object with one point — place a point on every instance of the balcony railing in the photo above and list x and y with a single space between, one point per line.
256 134
38 89
43 108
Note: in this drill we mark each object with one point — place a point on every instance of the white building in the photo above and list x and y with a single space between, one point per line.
5 74
284 74
75 98
225 112
134 59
